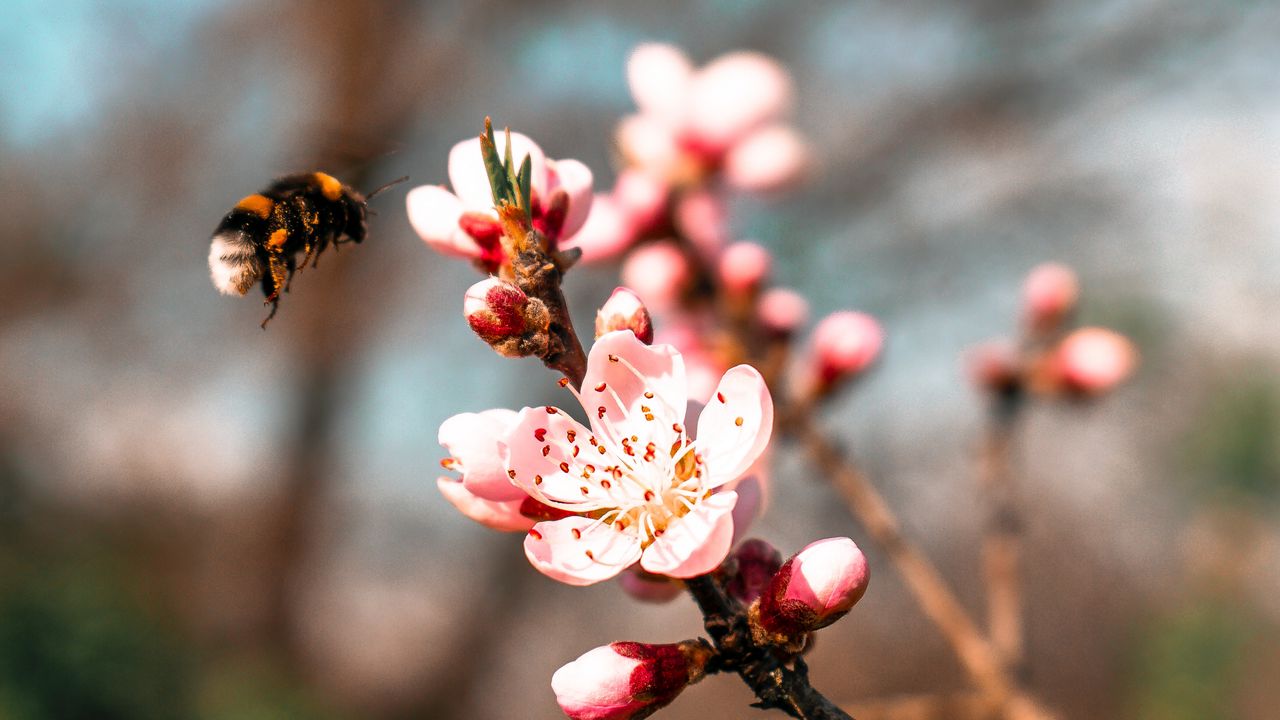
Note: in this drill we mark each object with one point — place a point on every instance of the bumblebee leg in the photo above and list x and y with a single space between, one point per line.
275 305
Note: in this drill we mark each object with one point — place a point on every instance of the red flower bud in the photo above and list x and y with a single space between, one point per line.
744 266
625 311
845 344
628 679
1092 360
513 323
813 589
754 564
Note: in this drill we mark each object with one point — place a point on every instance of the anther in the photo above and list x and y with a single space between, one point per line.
540 434
564 382
571 435
720 396
564 467
648 395
577 534
537 479
551 410
613 358
575 450
600 387
738 422
546 450
511 474
648 496
535 534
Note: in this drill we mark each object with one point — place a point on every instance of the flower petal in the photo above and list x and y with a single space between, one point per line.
736 424
648 143
735 94
504 516
621 369
658 76
434 213
470 179
695 544
555 459
768 159
575 179
473 441
580 551
605 232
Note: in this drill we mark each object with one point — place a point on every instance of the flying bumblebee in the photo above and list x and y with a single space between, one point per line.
259 240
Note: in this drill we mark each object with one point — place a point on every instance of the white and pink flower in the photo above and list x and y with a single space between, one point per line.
727 116
633 486
463 222
625 680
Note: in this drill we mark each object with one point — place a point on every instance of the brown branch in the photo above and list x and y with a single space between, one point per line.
776 685
924 581
1002 536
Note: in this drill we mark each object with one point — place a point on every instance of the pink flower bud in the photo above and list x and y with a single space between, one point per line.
1049 294
513 323
993 366
744 266
754 564
844 344
702 217
813 589
628 679
658 273
1094 360
782 311
625 311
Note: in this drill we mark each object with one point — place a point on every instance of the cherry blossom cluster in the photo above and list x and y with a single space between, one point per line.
1053 358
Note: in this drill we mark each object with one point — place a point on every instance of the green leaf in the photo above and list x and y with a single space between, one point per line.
499 182
524 185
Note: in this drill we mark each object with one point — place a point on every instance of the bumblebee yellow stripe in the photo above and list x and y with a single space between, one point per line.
329 186
259 205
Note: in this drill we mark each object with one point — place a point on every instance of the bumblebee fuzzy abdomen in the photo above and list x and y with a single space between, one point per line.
235 256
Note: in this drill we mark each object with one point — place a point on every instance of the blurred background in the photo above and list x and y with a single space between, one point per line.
199 519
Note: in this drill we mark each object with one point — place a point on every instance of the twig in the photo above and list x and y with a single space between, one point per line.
776 685
937 600
1001 542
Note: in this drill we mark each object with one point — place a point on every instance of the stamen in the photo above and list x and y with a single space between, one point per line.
738 422
540 434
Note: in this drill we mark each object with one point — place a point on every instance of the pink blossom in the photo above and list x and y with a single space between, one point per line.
637 487
463 222
658 273
472 442
744 267
782 311
607 232
1094 360
814 588
844 344
701 365
628 679
642 196
1049 294
694 121
701 216
501 515
625 311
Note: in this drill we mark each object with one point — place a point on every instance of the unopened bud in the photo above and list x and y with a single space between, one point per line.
1093 360
1049 294
744 266
782 312
845 344
816 587
514 324
753 564
628 679
993 366
625 311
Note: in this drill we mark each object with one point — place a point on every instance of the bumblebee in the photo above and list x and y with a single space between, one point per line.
260 239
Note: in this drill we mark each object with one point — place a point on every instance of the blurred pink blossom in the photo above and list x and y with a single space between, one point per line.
782 311
627 679
650 588
744 267
844 344
814 588
694 121
701 216
657 500
1094 360
464 223
1048 294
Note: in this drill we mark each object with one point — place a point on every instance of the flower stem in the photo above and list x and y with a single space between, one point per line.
776 685
1002 536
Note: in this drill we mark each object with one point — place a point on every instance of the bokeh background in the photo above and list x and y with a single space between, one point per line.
199 519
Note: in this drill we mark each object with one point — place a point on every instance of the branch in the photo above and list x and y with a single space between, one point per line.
1001 541
924 581
776 685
